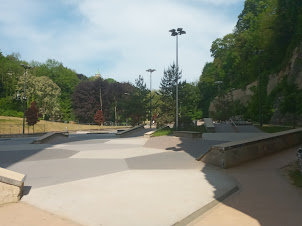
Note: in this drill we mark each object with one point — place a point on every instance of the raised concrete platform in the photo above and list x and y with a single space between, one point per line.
209 125
11 186
187 134
233 153
130 131
50 136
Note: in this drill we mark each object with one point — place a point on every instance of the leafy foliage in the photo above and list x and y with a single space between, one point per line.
224 108
65 78
189 101
168 95
266 33
99 117
44 92
32 114
137 104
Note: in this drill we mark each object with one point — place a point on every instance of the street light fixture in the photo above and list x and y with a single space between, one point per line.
177 32
26 67
150 70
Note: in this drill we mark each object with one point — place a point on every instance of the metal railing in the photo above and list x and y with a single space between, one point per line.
18 129
232 122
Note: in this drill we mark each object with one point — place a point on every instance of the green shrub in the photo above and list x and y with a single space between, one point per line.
12 113
163 132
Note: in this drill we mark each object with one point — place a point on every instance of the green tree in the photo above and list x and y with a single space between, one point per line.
65 78
168 95
223 107
189 98
291 102
137 103
45 92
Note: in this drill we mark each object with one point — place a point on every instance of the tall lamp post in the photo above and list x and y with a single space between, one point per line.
24 94
177 32
150 70
259 52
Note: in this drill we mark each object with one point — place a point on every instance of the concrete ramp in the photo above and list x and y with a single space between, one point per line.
134 131
208 122
50 137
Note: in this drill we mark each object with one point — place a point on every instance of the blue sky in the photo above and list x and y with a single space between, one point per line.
120 38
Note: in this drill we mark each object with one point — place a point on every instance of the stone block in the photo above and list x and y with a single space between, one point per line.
11 186
9 193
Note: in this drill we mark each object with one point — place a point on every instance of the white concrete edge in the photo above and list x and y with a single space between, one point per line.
11 177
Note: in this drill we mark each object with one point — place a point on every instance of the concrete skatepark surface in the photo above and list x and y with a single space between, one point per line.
266 195
99 179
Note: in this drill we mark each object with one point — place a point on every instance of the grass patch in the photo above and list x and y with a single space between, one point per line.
293 173
296 177
194 129
273 129
163 132
14 125
169 131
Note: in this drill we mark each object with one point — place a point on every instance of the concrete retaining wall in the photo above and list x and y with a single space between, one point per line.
187 134
233 153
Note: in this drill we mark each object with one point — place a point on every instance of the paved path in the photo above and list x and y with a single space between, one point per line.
265 198
103 180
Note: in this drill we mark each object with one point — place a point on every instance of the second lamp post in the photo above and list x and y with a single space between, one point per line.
26 67
177 32
150 70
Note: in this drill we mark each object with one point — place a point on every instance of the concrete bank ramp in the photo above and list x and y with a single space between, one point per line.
208 123
135 131
51 137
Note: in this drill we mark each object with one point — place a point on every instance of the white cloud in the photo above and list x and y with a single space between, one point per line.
121 38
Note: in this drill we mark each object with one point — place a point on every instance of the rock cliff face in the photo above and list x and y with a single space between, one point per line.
244 96
293 72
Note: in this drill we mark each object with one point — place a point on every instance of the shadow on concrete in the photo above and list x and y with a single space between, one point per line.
26 190
267 197
222 184
194 147
16 150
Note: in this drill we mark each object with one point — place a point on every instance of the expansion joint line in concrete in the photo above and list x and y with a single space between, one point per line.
206 208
